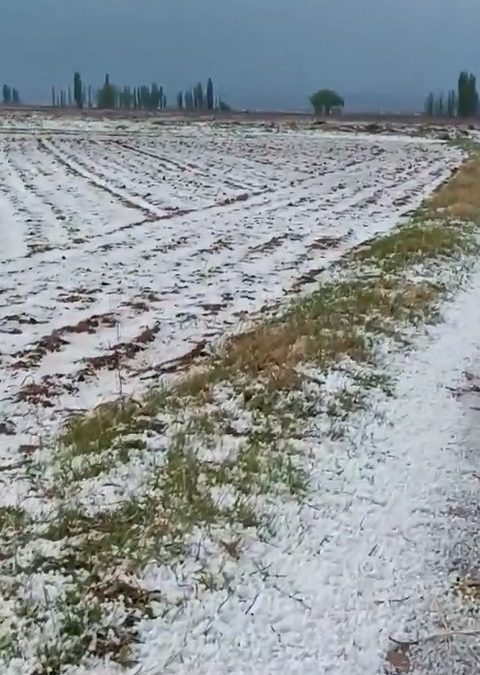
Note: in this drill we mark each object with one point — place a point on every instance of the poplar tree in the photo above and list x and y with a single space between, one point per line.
78 90
107 95
7 94
210 100
429 105
189 100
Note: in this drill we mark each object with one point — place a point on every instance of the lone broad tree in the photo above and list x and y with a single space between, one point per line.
326 100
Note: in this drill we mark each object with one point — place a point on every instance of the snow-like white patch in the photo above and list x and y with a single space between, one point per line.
361 560
189 231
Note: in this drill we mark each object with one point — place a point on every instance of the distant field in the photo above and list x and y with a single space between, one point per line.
244 115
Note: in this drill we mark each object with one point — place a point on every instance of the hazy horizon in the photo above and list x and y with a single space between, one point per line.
261 54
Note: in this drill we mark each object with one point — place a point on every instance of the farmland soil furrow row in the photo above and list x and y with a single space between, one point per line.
76 166
183 303
188 277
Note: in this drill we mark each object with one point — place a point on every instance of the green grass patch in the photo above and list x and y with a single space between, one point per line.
415 244
83 628
180 499
12 519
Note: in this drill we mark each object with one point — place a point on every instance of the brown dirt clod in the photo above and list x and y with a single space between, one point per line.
398 660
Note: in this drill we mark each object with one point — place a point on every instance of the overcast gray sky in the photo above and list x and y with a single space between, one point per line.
260 52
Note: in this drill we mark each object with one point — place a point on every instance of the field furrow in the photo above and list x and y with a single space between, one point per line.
155 239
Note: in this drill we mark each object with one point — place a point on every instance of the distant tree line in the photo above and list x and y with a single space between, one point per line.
109 96
460 102
144 97
10 95
198 98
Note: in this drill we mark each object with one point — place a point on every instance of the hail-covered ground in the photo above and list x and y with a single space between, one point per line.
129 252
124 251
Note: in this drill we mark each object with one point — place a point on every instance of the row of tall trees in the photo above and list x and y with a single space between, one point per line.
197 98
200 98
109 96
467 105
462 102
143 97
80 96
10 95
441 105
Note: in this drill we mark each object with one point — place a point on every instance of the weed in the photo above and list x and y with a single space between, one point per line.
12 519
417 243
96 432
83 630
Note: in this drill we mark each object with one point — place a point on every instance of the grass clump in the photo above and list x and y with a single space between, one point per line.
414 244
96 433
185 493
12 519
83 629
336 322
459 198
